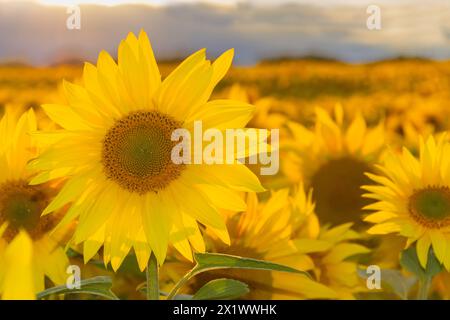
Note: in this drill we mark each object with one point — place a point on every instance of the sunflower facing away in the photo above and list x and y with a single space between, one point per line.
115 149
285 230
27 251
334 264
332 158
413 198
331 249
264 231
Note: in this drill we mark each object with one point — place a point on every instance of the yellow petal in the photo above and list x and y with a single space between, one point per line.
166 93
94 217
142 250
236 176
311 245
384 228
66 117
147 56
221 66
355 133
93 244
223 114
71 190
439 243
422 247
18 278
223 198
343 251
157 221
198 206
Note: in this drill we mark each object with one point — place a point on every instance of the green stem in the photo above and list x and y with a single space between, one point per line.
181 283
152 279
424 288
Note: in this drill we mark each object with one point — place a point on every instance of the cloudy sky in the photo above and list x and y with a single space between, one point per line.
34 31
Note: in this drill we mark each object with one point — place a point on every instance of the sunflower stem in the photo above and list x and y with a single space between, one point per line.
181 283
424 288
152 278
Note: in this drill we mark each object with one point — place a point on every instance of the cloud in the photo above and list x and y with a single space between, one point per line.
38 34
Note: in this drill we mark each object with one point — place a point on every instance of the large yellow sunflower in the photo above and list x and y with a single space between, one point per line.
331 158
27 251
413 198
115 149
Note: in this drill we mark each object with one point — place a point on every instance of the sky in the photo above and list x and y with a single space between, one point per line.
220 2
35 32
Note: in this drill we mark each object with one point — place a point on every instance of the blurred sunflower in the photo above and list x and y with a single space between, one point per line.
332 159
263 232
28 252
265 116
334 264
413 198
331 248
424 114
285 230
405 133
115 149
441 286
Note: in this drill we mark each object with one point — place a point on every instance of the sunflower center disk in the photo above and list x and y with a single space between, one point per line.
21 206
137 152
431 206
337 190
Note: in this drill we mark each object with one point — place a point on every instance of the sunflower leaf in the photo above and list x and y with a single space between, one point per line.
213 261
97 286
221 289
410 261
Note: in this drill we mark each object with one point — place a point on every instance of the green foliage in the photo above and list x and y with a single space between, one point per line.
221 289
212 261
97 286
410 261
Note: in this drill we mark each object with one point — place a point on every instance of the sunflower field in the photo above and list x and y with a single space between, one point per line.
92 205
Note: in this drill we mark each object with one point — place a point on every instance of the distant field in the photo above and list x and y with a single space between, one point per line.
399 87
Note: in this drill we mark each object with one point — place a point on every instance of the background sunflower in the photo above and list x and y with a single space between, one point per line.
28 252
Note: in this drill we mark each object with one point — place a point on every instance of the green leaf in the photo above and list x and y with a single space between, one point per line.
433 265
213 261
410 261
222 289
98 286
72 253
